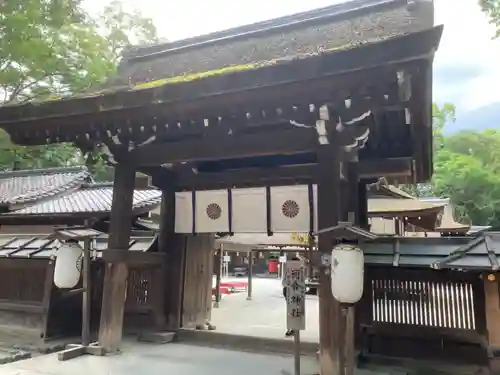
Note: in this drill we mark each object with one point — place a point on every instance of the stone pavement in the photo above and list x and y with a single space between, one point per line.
138 358
265 315
178 358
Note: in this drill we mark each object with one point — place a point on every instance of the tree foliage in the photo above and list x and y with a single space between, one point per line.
466 170
50 48
492 9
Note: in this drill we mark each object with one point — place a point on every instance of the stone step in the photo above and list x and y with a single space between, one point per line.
156 337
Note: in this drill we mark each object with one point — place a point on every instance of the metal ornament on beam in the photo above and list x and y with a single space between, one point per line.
301 139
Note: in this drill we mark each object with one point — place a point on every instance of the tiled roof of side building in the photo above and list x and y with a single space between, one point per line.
27 186
36 246
89 199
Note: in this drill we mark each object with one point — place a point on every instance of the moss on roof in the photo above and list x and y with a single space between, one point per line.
195 76
200 75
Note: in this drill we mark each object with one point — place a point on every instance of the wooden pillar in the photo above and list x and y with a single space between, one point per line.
218 270
115 277
281 267
352 209
87 291
310 252
397 227
492 311
362 206
173 246
47 297
328 215
250 274
352 213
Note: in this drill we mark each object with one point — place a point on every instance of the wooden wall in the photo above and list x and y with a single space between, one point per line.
25 295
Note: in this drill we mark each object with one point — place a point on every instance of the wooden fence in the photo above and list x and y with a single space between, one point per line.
422 313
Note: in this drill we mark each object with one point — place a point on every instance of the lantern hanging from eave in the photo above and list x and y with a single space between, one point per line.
68 266
347 272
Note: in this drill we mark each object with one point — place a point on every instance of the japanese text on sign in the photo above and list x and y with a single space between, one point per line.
295 284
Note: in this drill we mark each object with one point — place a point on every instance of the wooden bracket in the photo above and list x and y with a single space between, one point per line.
74 351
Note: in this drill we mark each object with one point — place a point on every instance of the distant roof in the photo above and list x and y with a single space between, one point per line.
92 199
406 207
448 222
405 202
476 229
44 246
27 186
390 191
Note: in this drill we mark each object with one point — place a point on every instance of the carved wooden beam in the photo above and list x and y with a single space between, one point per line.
281 176
287 142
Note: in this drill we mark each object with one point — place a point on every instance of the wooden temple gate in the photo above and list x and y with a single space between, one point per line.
338 117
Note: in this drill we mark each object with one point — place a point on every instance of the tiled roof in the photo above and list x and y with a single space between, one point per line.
22 187
95 198
479 254
335 27
44 246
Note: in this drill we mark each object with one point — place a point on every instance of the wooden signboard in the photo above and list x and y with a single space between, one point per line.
295 283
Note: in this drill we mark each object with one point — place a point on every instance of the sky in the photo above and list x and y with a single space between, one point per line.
466 66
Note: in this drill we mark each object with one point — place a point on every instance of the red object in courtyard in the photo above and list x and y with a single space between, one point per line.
235 285
273 265
222 291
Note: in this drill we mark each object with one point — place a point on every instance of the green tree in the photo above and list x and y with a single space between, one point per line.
52 48
472 187
492 9
440 117
466 170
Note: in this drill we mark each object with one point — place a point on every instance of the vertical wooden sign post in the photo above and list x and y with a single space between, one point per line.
226 258
295 283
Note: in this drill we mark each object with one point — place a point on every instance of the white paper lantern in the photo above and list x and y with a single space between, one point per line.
68 266
347 273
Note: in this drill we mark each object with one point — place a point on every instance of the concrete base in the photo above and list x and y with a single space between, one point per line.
74 351
11 355
156 337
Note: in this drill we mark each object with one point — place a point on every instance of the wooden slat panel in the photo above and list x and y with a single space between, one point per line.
413 298
25 285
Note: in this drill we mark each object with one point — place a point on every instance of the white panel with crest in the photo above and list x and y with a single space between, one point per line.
184 212
290 209
212 211
249 210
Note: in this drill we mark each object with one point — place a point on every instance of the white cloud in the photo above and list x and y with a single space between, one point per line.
466 41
